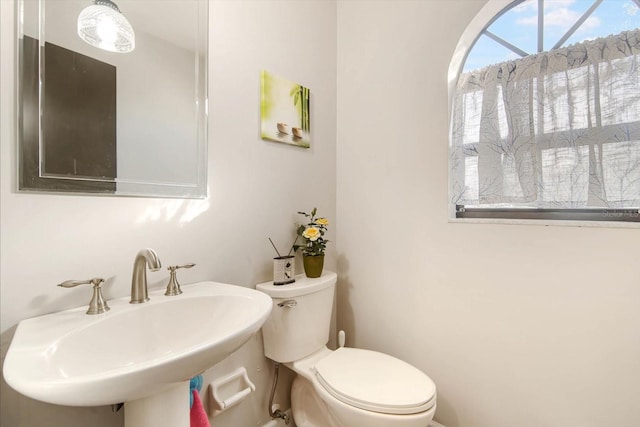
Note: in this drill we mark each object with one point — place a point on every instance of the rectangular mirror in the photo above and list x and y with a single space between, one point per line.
96 121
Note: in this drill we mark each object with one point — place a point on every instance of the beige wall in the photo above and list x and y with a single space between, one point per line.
518 325
255 189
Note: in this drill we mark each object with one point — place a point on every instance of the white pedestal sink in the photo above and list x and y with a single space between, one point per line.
139 354
168 408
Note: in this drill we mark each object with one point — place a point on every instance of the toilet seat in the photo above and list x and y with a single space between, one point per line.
375 382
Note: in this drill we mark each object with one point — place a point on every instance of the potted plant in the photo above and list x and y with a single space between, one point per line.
312 234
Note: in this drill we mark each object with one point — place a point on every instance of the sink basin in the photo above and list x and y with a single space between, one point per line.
134 350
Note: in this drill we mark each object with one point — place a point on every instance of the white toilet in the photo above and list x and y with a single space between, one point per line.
347 387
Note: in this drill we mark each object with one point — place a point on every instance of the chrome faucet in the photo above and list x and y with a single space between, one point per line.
139 292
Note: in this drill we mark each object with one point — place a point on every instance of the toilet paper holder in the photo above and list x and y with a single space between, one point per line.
229 390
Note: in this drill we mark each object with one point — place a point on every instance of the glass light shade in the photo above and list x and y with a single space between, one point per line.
103 26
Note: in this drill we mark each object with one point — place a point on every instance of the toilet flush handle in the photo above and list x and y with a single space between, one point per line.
288 303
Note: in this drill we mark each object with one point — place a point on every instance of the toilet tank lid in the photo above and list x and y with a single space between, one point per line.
302 286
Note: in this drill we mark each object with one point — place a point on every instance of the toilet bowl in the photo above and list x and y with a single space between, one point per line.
352 387
347 387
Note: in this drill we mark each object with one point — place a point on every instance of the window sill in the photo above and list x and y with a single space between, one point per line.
546 222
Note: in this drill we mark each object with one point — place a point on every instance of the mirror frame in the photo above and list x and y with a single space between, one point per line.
31 180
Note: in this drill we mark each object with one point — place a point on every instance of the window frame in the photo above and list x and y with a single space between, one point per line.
598 217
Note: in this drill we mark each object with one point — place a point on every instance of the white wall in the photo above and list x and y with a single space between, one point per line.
255 189
526 326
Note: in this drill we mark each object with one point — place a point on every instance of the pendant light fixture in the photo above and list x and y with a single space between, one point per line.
103 25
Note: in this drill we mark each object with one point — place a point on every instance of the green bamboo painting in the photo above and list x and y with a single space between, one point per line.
284 111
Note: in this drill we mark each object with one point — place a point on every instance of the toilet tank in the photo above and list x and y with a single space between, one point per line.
300 318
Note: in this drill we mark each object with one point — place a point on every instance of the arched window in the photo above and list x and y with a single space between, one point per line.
545 112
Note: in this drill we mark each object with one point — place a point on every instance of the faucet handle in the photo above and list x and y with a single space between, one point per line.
175 267
97 305
173 287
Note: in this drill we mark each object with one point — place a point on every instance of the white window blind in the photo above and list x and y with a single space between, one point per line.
554 131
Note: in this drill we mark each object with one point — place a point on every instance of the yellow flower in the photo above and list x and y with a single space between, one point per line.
322 221
311 233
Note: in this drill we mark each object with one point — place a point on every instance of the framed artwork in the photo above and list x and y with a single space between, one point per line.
284 111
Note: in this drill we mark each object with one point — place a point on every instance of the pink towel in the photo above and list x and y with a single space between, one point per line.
198 415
